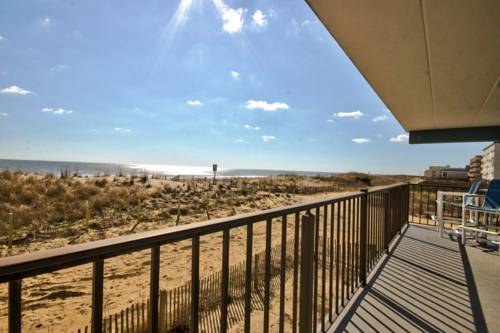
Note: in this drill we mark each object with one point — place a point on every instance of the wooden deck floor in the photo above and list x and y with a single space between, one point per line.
425 284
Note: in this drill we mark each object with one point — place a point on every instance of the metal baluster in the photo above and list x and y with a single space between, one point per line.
97 295
323 268
362 234
15 306
316 262
306 273
195 283
225 280
248 278
332 215
295 271
154 289
267 275
337 261
282 274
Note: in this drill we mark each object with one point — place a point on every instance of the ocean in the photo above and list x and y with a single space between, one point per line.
96 169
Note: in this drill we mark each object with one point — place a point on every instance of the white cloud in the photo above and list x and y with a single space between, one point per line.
257 128
1 38
122 130
295 27
360 140
232 18
379 119
56 111
4 114
267 138
194 103
305 23
60 68
234 74
239 141
330 121
259 18
15 90
354 114
400 138
269 107
46 21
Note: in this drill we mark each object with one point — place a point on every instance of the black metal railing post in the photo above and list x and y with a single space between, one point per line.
15 304
306 273
248 278
97 295
362 236
386 221
400 209
225 281
195 284
154 289
406 217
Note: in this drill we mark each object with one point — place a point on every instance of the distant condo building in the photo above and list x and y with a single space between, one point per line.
446 172
434 171
475 167
490 164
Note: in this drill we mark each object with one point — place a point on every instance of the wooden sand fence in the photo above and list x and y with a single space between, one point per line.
175 304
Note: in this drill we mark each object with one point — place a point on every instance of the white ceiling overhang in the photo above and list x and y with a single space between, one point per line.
434 63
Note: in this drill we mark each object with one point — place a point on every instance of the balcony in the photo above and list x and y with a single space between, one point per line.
349 263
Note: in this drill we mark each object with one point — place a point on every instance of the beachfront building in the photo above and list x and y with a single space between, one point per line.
455 173
367 261
490 165
446 172
475 167
434 171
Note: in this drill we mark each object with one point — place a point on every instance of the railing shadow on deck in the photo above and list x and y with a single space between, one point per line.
409 293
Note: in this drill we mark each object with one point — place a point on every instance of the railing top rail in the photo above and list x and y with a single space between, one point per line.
30 264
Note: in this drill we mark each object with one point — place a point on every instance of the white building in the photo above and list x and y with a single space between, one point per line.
490 164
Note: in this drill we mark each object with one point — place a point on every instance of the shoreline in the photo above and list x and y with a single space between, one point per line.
170 170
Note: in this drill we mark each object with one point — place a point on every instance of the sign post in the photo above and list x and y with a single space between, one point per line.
214 169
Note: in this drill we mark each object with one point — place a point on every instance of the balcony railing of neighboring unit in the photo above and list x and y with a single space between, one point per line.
423 205
336 243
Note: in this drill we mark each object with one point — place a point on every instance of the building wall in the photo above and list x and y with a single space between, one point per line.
475 167
490 165
453 174
447 172
434 171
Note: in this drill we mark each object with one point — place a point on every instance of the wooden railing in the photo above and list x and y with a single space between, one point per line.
336 243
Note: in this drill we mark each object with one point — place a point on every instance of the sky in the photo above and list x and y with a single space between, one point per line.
245 84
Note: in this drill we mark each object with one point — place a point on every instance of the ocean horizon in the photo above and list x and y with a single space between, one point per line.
100 169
